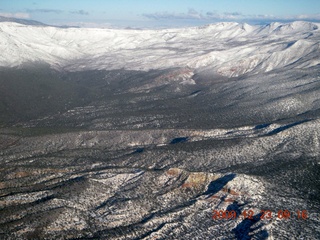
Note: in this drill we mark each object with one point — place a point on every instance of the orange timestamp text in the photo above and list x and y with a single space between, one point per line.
263 214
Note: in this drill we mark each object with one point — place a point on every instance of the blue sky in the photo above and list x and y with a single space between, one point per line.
159 13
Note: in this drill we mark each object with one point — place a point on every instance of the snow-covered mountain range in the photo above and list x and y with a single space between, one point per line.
228 49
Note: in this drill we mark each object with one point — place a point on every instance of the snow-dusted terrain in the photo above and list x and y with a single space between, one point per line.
230 49
144 134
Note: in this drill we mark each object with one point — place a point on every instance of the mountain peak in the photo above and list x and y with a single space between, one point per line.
297 26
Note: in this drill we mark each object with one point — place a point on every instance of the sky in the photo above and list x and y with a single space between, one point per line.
159 13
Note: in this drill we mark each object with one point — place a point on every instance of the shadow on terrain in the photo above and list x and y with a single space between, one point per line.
179 140
243 229
282 128
217 185
235 206
261 126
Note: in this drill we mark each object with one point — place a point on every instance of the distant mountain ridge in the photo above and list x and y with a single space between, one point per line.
31 22
229 49
22 21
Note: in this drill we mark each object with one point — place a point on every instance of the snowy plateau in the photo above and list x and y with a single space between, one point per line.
145 134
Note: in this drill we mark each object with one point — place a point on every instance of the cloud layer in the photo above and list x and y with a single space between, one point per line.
80 12
44 11
226 16
15 15
29 12
57 11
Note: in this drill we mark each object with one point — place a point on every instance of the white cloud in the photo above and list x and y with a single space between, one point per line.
227 16
87 24
45 10
191 14
313 16
80 12
15 15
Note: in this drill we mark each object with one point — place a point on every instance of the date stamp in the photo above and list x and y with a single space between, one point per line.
263 214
